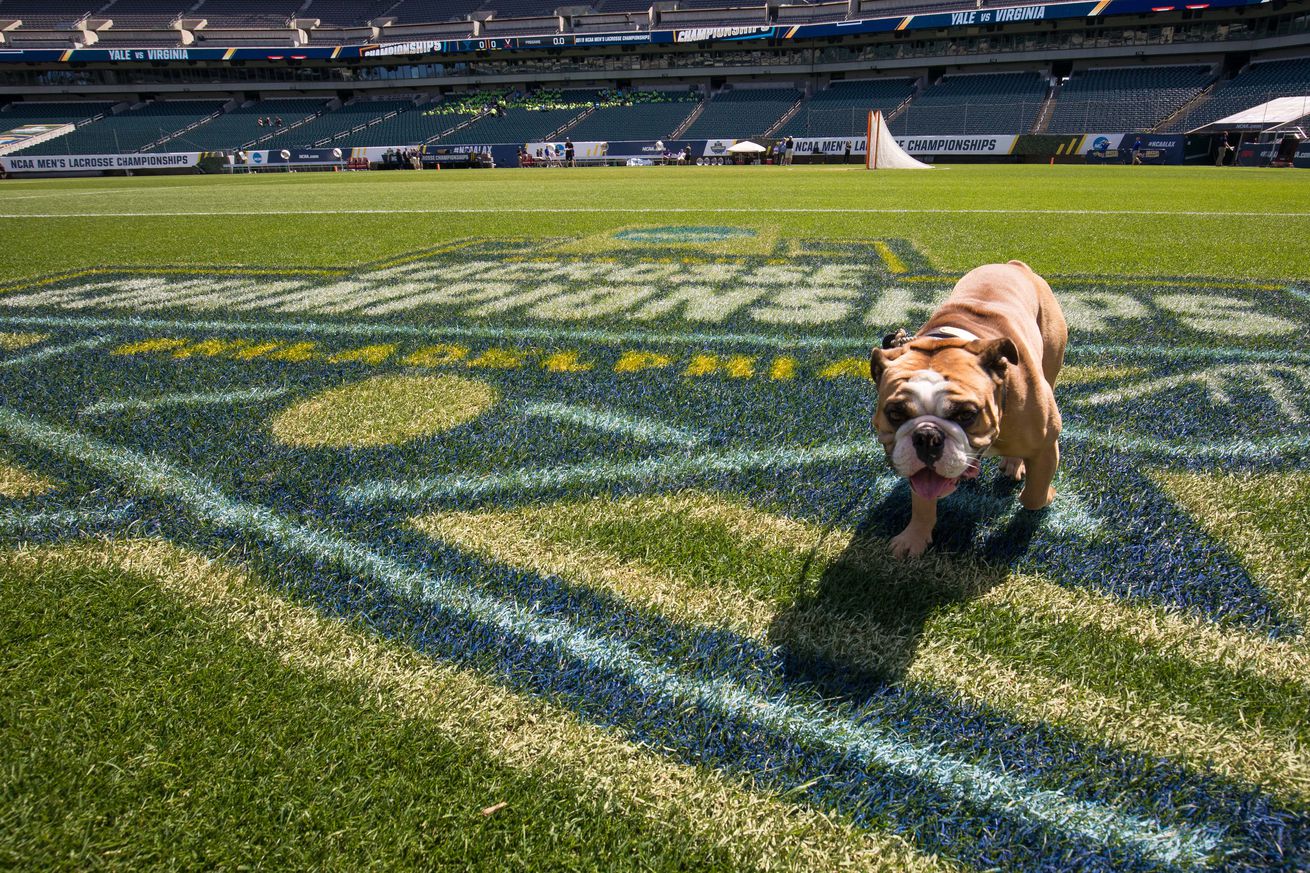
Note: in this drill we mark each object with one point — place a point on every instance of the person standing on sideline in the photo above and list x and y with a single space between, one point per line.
568 153
846 155
1224 150
788 149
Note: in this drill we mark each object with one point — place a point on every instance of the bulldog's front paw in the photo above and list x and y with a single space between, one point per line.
1013 468
910 543
1036 500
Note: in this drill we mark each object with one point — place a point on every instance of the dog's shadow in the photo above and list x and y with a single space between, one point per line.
859 624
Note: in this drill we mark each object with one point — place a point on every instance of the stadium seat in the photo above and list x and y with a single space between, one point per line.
129 131
742 112
240 127
1124 99
842 108
987 103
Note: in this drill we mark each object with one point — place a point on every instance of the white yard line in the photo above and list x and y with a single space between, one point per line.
659 210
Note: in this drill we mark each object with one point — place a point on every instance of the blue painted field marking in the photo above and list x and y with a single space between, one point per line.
643 429
1093 353
49 352
143 404
1241 447
646 470
30 522
865 742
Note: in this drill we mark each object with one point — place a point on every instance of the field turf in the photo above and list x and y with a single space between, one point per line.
532 520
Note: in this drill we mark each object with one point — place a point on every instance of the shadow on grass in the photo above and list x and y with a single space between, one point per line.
865 614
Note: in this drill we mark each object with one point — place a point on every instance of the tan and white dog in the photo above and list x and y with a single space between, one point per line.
977 381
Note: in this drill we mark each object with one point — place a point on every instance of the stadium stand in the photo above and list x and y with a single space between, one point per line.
644 115
334 125
339 13
842 108
1126 98
623 5
241 126
806 12
18 114
1258 83
243 13
742 112
128 131
431 10
985 103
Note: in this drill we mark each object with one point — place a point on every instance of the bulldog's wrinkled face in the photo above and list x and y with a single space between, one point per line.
939 407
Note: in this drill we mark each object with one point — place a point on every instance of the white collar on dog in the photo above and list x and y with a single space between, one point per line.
951 333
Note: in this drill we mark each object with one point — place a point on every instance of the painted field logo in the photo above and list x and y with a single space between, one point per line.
637 478
683 234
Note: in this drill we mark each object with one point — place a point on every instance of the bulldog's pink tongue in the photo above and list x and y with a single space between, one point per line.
929 485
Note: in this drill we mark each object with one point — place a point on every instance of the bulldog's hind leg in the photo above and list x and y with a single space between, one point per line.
1037 491
1013 468
911 542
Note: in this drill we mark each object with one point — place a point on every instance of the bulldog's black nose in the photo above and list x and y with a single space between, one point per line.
928 442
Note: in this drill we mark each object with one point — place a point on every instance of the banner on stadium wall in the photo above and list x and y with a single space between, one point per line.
1117 148
957 145
93 163
1261 154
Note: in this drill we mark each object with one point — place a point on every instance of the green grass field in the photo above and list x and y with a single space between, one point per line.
533 520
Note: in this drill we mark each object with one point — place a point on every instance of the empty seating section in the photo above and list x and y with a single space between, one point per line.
636 121
842 109
742 112
712 17
519 26
343 13
1258 83
1126 99
431 10
128 131
18 114
623 5
521 8
331 125
243 13
410 127
241 126
797 13
988 103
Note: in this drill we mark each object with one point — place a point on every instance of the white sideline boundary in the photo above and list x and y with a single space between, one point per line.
649 210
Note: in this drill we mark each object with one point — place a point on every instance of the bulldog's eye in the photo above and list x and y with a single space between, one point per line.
896 416
966 417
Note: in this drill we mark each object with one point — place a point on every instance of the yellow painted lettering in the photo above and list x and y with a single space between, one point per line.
632 362
847 367
436 356
145 347
565 362
736 366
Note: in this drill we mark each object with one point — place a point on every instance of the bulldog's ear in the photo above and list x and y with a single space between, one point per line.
995 355
879 360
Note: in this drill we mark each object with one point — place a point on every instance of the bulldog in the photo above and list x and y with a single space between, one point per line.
976 381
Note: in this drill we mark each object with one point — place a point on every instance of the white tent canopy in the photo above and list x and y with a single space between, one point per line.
746 146
1273 113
